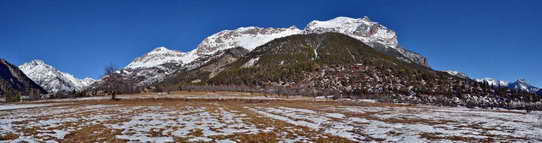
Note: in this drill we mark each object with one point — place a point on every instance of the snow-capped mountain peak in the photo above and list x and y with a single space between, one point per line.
52 79
366 18
457 74
520 84
360 28
156 57
87 81
161 50
523 85
367 31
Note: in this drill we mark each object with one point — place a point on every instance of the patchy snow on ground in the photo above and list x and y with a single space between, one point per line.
22 106
48 124
402 124
169 123
217 122
313 120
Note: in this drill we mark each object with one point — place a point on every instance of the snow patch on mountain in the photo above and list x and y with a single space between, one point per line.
251 62
52 79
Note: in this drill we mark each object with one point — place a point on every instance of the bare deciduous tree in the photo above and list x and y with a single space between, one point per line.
112 81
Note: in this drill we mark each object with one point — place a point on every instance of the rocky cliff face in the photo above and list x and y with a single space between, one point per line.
13 83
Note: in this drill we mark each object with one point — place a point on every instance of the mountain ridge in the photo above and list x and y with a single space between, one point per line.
163 61
520 84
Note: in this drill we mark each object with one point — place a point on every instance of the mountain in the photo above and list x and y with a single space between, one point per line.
337 64
157 57
371 33
155 66
539 92
523 85
457 74
284 60
518 84
52 79
87 81
161 62
14 82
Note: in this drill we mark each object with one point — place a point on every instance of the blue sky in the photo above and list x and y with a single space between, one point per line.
490 38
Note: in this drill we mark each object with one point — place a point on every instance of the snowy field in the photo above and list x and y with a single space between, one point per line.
261 121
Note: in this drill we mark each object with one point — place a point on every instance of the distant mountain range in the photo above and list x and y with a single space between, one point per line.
520 84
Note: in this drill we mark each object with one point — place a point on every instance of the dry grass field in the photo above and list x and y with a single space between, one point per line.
228 120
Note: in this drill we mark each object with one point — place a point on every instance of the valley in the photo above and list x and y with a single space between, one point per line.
270 72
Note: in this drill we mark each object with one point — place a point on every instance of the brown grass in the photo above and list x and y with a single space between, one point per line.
9 136
436 137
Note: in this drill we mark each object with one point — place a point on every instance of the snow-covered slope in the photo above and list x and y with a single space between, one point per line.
155 65
367 31
457 74
87 81
52 79
523 85
157 57
246 37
